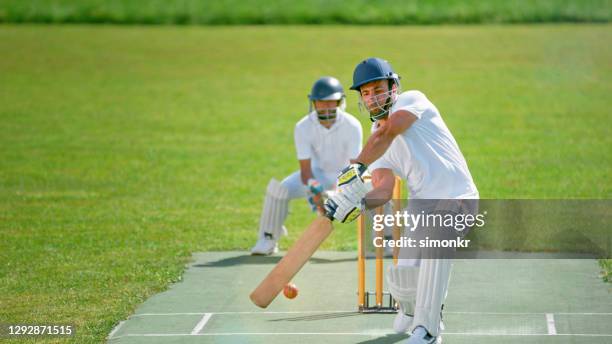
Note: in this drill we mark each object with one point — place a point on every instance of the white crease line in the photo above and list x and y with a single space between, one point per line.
356 334
528 313
583 313
355 311
110 335
202 323
247 312
550 323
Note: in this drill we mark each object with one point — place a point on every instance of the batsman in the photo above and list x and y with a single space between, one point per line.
409 138
325 141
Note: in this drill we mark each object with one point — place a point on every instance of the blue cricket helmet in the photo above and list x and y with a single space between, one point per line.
326 88
373 69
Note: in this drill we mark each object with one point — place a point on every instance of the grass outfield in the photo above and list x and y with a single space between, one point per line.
125 149
385 12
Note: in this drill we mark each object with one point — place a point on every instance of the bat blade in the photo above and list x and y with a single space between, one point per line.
292 262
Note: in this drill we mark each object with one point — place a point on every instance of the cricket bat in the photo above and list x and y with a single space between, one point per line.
292 262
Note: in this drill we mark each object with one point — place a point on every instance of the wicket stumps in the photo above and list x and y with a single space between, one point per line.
384 301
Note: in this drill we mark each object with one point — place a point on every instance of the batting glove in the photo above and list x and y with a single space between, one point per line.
343 208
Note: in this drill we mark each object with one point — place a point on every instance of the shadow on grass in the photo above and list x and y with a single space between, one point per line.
248 259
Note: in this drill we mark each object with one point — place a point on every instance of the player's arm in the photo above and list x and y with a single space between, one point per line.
305 171
314 189
303 148
381 139
383 181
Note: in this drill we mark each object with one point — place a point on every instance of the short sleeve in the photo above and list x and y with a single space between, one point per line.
302 146
414 102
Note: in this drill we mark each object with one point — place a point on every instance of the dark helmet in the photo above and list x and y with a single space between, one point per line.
373 69
326 88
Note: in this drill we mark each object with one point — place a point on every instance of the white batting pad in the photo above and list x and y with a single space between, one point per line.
275 210
434 276
402 283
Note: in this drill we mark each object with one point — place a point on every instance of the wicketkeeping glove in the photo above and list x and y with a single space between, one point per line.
314 187
315 195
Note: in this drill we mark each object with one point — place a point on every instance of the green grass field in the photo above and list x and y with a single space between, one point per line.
382 12
125 149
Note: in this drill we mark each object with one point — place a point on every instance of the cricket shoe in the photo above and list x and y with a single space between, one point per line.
421 336
403 321
266 245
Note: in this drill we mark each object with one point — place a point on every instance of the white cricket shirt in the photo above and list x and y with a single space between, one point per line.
329 149
426 155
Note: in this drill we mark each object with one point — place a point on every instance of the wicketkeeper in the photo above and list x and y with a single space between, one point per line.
325 140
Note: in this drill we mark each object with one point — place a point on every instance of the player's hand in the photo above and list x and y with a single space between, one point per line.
314 187
343 208
347 203
350 181
315 196
316 204
350 175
